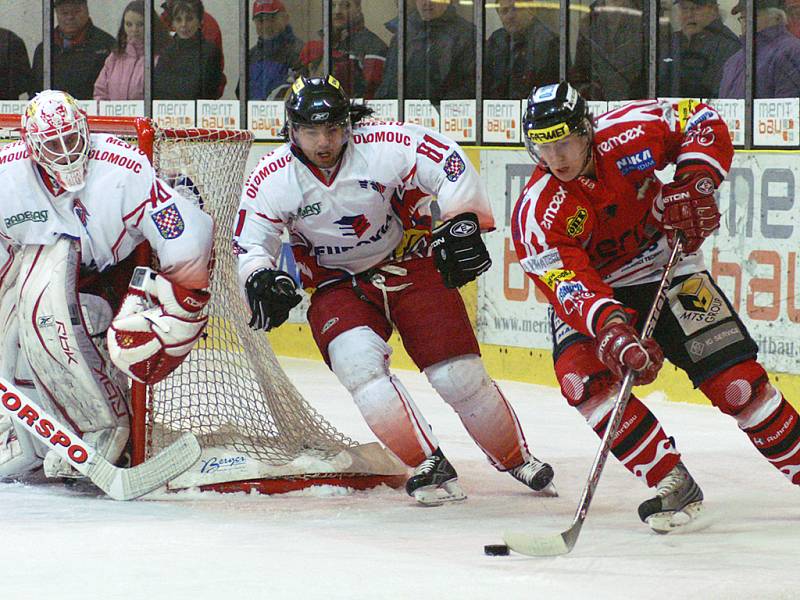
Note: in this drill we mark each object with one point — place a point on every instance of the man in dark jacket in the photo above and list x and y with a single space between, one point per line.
440 55
15 69
79 51
693 64
277 54
519 55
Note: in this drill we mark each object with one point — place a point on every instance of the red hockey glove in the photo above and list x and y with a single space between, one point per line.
619 348
690 207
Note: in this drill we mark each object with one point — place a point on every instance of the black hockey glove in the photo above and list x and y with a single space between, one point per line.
458 250
271 295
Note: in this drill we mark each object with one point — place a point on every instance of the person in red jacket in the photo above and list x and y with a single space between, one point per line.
593 228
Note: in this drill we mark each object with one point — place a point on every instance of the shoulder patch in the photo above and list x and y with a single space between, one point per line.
169 222
454 166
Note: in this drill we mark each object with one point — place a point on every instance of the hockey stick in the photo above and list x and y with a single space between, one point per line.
562 543
118 483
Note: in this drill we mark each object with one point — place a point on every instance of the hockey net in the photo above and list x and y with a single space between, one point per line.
257 431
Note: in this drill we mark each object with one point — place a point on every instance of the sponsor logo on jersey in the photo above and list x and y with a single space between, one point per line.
374 185
572 295
116 159
549 134
310 210
714 340
357 225
577 222
552 209
454 166
640 161
541 263
394 137
615 141
697 305
169 222
377 236
555 276
80 211
36 216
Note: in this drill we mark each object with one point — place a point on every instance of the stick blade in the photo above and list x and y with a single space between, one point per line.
541 545
129 484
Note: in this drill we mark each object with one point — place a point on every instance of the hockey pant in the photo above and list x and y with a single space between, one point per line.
360 359
53 348
640 443
744 392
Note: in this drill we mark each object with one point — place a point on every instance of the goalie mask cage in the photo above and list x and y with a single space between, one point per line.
256 430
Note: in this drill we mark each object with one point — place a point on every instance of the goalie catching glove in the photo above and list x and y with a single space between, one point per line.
271 295
458 250
690 207
156 327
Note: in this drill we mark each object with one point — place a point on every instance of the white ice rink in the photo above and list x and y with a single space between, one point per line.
325 543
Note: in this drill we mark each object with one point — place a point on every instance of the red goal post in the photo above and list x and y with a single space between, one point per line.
258 433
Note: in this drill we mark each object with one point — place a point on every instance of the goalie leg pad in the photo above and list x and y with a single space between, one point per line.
640 442
67 368
487 416
772 424
360 359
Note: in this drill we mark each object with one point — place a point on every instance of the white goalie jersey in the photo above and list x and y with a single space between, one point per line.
122 204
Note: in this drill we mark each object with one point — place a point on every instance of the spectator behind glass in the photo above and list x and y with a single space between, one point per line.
189 67
122 77
276 56
519 55
777 64
694 61
78 53
211 33
15 69
440 54
610 56
793 15
359 55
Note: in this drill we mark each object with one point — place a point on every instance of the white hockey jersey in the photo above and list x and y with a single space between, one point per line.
122 204
375 208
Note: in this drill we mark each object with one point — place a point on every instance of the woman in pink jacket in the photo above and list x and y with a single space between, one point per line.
122 77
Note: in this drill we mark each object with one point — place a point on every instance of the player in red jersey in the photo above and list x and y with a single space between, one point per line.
593 229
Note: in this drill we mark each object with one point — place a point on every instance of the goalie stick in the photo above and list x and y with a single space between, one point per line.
118 483
562 543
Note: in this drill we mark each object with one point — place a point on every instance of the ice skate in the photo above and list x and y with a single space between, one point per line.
537 475
678 501
435 482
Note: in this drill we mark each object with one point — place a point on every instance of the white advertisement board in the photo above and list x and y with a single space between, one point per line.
753 256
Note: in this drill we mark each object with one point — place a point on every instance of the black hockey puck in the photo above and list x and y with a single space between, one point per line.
496 550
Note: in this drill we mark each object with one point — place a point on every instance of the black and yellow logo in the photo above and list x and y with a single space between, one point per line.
549 134
576 223
694 296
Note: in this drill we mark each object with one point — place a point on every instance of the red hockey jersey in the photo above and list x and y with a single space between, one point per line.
579 239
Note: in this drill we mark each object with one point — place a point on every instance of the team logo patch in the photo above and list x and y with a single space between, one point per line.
705 186
357 225
576 223
169 222
454 166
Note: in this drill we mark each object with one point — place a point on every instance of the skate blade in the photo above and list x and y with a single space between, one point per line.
548 491
431 495
664 522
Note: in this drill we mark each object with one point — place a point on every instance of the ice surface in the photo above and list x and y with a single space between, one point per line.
326 543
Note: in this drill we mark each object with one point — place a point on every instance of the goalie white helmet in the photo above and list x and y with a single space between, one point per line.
56 133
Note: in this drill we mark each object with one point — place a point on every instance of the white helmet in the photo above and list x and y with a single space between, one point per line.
56 132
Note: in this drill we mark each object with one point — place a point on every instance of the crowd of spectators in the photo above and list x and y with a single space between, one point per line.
699 56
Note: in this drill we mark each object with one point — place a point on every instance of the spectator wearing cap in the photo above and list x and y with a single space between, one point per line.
439 56
777 63
79 50
276 55
15 69
209 27
189 67
521 54
693 63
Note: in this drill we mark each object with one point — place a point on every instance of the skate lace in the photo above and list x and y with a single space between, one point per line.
527 471
427 465
673 480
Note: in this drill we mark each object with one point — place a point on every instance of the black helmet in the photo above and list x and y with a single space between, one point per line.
316 100
554 111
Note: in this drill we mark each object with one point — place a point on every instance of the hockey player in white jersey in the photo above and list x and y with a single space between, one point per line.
74 205
356 199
